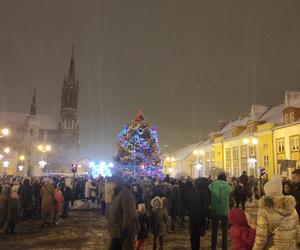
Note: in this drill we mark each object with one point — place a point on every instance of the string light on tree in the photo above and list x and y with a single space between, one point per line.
138 146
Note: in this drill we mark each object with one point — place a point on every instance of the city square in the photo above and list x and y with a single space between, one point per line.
149 125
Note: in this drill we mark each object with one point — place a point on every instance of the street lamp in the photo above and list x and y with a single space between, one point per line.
22 158
44 148
4 132
6 150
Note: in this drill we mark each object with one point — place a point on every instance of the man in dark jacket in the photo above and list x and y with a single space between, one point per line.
198 207
4 197
296 193
25 197
67 193
122 217
174 205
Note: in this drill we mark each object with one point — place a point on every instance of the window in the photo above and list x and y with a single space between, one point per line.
265 146
292 117
251 128
252 151
280 146
266 160
235 152
286 118
244 151
228 154
294 142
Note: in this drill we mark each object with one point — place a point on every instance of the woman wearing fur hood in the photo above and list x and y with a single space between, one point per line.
277 219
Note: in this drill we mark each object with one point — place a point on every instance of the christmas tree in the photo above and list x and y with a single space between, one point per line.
138 148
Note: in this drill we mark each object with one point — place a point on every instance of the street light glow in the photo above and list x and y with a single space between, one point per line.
22 158
254 141
198 166
5 132
246 141
20 168
6 150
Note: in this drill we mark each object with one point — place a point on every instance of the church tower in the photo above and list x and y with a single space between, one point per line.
69 122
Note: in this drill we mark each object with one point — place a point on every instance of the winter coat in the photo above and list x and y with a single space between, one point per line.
26 193
59 201
143 220
175 202
109 190
47 195
271 213
13 210
296 194
159 221
198 206
122 213
67 193
242 235
3 209
220 192
88 189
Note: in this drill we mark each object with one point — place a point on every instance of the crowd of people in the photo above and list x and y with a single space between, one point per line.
137 207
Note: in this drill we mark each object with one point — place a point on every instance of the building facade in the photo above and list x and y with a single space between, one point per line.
36 138
267 139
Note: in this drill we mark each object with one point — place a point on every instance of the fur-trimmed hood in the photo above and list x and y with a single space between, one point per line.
284 205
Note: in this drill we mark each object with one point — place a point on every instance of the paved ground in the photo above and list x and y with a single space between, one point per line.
83 230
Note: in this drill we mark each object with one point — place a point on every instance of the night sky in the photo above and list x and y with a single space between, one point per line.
185 64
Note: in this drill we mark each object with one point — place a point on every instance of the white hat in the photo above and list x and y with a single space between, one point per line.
274 186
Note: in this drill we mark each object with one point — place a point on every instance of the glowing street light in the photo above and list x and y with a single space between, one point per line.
22 158
5 164
5 132
1 157
246 141
6 150
254 141
20 168
44 148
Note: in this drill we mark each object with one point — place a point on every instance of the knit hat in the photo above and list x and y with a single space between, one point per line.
274 186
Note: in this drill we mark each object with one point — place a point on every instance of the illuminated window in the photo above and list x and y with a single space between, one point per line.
244 151
280 146
294 142
266 160
235 152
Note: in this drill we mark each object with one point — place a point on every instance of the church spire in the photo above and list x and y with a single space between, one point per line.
71 75
33 104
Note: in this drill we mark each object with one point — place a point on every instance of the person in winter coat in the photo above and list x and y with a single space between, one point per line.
242 235
277 220
287 188
109 191
122 217
159 222
220 193
58 203
4 197
36 190
67 193
198 207
240 194
143 221
47 196
296 192
25 192
174 205
138 194
12 213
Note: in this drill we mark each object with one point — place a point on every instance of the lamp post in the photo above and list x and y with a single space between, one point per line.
199 165
170 162
44 148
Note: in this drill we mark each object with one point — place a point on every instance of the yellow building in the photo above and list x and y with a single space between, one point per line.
267 139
